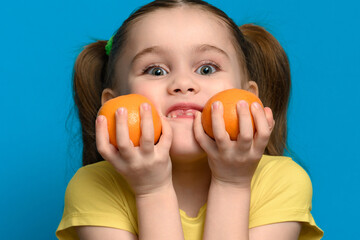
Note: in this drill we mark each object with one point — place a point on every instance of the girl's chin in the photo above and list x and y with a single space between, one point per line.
184 144
180 157
186 148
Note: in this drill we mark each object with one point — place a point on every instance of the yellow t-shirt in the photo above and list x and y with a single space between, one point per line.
97 195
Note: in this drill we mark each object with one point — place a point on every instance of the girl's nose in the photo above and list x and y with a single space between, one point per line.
183 85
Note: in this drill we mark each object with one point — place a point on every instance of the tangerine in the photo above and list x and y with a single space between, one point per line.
132 103
228 98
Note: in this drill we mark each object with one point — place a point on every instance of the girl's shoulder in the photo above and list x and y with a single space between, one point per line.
280 184
278 179
98 184
100 176
281 191
97 196
280 167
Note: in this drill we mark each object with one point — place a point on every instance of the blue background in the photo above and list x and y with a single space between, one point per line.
40 147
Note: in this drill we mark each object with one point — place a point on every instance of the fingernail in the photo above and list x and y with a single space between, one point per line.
197 114
100 118
121 111
216 105
256 105
244 104
145 106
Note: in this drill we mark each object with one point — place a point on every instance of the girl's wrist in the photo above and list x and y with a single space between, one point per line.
228 203
158 191
239 184
155 206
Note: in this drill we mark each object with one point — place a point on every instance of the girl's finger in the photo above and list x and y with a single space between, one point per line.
245 137
205 142
124 144
263 130
147 129
104 147
222 138
166 136
269 117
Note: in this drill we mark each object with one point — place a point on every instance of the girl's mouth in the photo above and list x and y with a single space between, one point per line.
190 113
183 110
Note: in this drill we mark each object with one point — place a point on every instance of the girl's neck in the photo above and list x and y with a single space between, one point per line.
191 182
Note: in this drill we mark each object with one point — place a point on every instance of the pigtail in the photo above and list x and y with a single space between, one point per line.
89 72
268 66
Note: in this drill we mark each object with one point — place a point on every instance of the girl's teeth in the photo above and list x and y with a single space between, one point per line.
172 115
179 113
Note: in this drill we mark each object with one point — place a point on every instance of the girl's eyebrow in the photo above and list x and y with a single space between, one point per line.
207 47
153 49
197 49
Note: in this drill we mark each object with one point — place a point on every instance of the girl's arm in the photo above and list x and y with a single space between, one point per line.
227 217
276 231
103 233
147 169
233 164
227 213
158 217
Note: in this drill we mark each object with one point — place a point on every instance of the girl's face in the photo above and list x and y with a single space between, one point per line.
179 58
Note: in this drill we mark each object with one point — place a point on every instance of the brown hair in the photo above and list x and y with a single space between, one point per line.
261 55
268 66
88 86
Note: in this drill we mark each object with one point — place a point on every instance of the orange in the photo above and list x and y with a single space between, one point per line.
132 103
229 98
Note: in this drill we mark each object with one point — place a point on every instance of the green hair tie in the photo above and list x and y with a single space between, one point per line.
109 45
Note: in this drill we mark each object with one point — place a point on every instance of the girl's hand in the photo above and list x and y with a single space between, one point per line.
234 162
146 168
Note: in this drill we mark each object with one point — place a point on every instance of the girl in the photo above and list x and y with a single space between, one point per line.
179 53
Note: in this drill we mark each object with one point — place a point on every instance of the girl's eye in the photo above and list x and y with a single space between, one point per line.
206 70
156 71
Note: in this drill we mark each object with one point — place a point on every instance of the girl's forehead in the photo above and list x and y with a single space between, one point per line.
179 26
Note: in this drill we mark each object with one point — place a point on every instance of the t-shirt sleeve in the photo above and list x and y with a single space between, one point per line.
282 192
94 197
